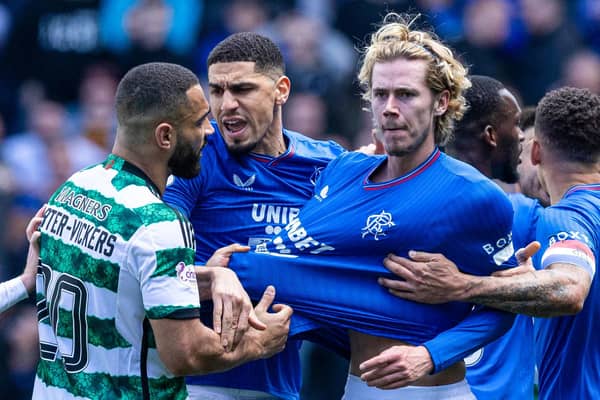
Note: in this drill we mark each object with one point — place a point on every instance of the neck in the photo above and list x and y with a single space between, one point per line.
150 163
473 156
559 176
397 166
273 143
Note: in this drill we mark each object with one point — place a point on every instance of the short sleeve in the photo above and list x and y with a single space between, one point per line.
565 238
162 261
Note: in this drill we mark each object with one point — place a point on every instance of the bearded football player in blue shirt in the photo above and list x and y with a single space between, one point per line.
365 207
563 291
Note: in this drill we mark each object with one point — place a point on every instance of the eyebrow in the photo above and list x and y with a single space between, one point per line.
199 120
235 85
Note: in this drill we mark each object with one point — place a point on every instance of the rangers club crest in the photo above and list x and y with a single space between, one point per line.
378 224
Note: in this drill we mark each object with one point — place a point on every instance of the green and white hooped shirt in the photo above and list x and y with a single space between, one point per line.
113 255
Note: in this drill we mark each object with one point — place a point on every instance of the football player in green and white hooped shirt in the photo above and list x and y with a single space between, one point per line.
118 298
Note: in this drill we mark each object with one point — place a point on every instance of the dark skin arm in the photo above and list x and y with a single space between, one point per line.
560 289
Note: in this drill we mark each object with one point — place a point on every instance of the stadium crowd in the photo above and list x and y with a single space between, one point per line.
62 61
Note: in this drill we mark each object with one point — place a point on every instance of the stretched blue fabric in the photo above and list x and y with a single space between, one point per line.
325 263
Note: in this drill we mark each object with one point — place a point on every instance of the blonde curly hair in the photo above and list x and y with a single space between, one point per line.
395 39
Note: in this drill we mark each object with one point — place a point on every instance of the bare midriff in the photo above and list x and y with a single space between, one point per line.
364 347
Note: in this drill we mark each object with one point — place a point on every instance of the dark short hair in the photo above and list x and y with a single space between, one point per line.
568 120
249 46
484 108
153 92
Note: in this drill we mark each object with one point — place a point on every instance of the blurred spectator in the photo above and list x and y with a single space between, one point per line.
491 34
445 16
140 31
318 58
94 116
45 155
234 16
12 238
588 21
6 194
308 113
582 70
23 351
321 61
356 18
551 40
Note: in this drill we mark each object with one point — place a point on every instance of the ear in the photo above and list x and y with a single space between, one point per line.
282 90
441 103
164 135
536 152
489 136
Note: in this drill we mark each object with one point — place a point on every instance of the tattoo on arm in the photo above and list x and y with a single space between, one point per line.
546 293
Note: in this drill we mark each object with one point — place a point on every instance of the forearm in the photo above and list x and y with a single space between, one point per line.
198 351
11 292
545 293
479 328
214 358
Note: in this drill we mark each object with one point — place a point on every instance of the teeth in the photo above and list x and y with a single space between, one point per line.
233 125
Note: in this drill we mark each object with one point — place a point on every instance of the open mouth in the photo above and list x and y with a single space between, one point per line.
234 126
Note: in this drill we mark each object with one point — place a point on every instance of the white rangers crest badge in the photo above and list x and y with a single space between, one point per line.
378 224
247 184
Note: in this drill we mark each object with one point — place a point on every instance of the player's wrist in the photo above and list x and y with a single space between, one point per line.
469 288
28 281
426 364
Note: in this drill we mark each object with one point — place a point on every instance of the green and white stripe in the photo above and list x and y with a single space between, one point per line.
93 297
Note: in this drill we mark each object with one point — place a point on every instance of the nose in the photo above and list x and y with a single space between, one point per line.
229 101
208 128
521 135
390 107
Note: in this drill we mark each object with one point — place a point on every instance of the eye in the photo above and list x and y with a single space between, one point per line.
404 94
215 91
242 89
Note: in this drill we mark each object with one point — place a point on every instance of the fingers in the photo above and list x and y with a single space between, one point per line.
410 295
524 253
266 300
378 361
34 223
381 371
34 242
255 322
400 266
228 325
394 284
283 310
217 315
422 256
221 256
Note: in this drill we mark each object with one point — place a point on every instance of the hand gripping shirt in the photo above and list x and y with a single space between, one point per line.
113 255
504 369
568 348
246 199
325 263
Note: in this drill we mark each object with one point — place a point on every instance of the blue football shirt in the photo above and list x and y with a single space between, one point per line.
568 348
504 369
246 199
325 262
